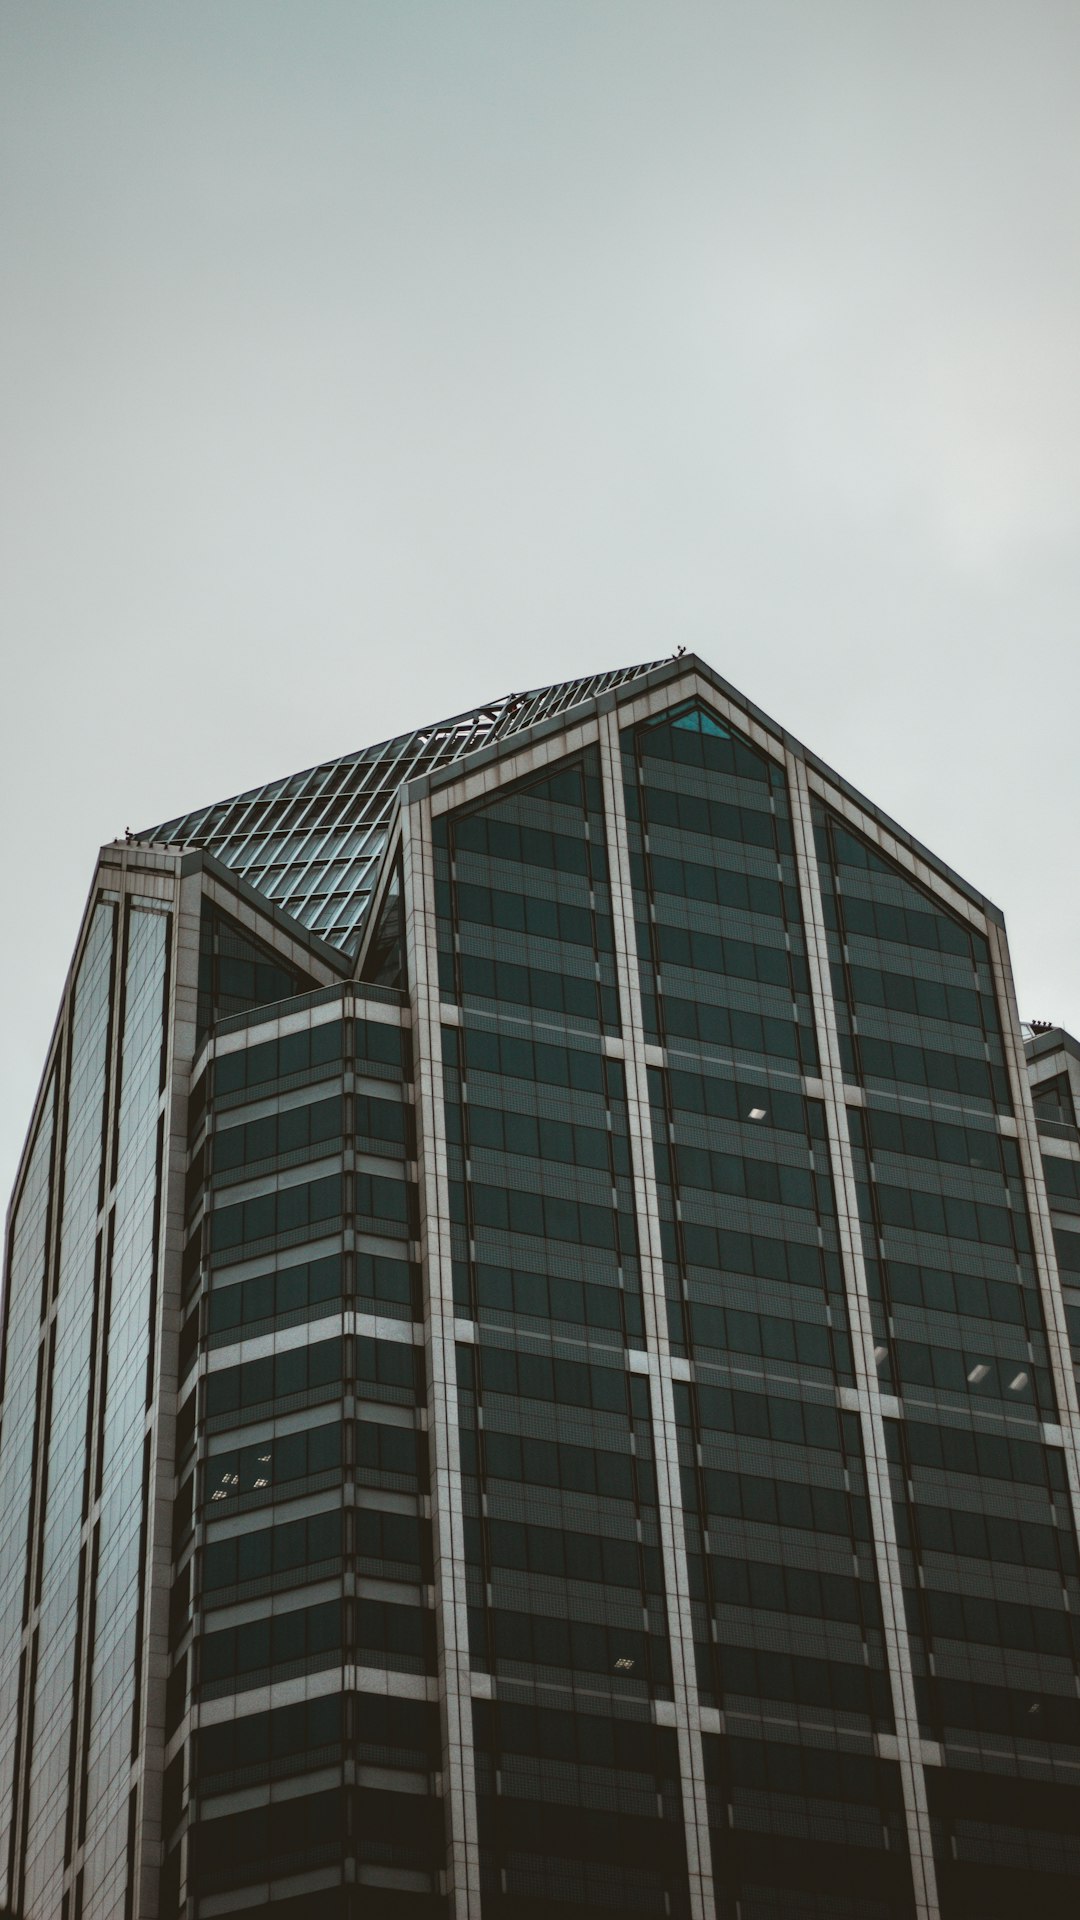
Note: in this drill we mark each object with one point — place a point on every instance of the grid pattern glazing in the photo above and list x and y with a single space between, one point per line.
111 1731
579 1809
785 1606
57 1646
307 1544
988 1554
312 842
736 1257
22 1321
1054 1057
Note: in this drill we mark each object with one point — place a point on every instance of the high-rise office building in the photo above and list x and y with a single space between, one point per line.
536 1381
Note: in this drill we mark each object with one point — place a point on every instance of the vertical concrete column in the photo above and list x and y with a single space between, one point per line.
30 1625
898 1647
82 1702
448 1528
58 1867
661 1376
1042 1232
180 1019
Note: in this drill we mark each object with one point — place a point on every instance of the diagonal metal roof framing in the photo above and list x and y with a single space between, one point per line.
312 842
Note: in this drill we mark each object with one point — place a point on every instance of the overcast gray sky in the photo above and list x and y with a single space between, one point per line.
364 360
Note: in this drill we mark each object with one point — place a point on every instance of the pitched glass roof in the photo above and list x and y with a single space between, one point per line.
312 841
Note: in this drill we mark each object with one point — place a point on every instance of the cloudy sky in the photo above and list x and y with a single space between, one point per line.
361 361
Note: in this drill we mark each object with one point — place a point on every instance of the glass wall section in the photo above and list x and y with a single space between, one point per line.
1006 1846
59 1639
562 1532
390 1750
786 1614
568 1579
567 1609
314 1549
1061 1168
578 1802
913 987
803 1828
720 940
1054 1076
740 1155
987 1550
523 902
990 1572
23 1295
111 1731
788 1635
236 971
384 962
540 1189
580 1810
785 1608
1053 1102
950 1261
749 1226
771 1466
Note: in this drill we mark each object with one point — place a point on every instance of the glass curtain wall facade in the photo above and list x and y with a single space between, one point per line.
302 1537
88 1421
557 1397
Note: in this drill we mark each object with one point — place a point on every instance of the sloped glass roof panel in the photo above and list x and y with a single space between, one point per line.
313 841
